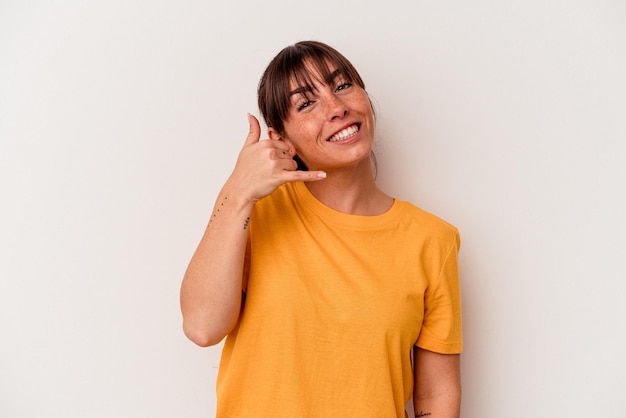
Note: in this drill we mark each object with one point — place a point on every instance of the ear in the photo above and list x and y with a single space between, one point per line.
273 134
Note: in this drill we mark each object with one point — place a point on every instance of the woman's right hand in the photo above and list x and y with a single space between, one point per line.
262 166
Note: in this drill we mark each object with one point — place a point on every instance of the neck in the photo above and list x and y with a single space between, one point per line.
352 190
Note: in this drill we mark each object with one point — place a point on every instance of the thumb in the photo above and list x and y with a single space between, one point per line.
255 131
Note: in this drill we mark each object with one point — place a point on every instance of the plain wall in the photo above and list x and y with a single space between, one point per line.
120 120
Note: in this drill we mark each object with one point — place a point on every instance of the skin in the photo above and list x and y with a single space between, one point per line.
341 177
437 389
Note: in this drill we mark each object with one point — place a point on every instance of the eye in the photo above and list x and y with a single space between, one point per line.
303 105
343 86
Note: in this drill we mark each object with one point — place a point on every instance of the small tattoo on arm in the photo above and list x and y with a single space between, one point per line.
215 212
245 225
422 414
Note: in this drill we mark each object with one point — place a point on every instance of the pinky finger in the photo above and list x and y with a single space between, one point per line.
305 175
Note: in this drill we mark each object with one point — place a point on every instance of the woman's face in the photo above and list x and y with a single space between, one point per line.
332 125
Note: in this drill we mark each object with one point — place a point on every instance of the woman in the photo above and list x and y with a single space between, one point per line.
323 284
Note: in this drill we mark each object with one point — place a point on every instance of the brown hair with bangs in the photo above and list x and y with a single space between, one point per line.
274 91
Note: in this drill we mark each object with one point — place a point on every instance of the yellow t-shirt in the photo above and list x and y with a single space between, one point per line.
334 304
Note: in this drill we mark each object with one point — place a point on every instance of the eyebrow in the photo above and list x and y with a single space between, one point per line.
332 76
300 90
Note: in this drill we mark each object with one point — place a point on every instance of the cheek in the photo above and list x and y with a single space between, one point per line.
303 133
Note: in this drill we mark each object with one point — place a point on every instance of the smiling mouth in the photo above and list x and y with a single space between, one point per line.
349 132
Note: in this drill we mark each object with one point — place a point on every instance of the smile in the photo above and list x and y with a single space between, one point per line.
346 133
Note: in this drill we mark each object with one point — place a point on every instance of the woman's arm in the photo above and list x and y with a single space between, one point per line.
210 295
437 391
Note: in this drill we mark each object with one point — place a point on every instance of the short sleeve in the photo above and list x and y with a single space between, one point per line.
442 325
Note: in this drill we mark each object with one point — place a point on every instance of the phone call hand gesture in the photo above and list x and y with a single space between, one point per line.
262 166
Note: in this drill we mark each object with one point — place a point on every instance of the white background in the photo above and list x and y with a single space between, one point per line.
120 120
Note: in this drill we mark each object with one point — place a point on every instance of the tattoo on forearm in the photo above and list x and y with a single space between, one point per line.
422 414
215 212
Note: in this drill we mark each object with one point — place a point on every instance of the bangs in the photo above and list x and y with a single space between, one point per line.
312 70
300 65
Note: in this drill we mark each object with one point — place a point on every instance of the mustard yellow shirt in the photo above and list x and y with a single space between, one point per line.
334 305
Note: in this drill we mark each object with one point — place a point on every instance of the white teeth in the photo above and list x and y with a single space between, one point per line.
345 133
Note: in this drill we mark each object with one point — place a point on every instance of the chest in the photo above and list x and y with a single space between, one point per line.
339 285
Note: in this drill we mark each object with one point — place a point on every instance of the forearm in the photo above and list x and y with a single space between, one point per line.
211 290
441 405
437 391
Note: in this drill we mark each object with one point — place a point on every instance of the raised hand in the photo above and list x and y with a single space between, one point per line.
262 166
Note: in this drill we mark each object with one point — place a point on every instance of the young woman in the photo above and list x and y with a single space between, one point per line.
323 284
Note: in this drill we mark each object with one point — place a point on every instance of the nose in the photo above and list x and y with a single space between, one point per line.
337 109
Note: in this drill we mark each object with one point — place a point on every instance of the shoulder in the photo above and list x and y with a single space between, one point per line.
429 223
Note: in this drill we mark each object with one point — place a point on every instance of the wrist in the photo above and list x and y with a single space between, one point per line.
236 198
